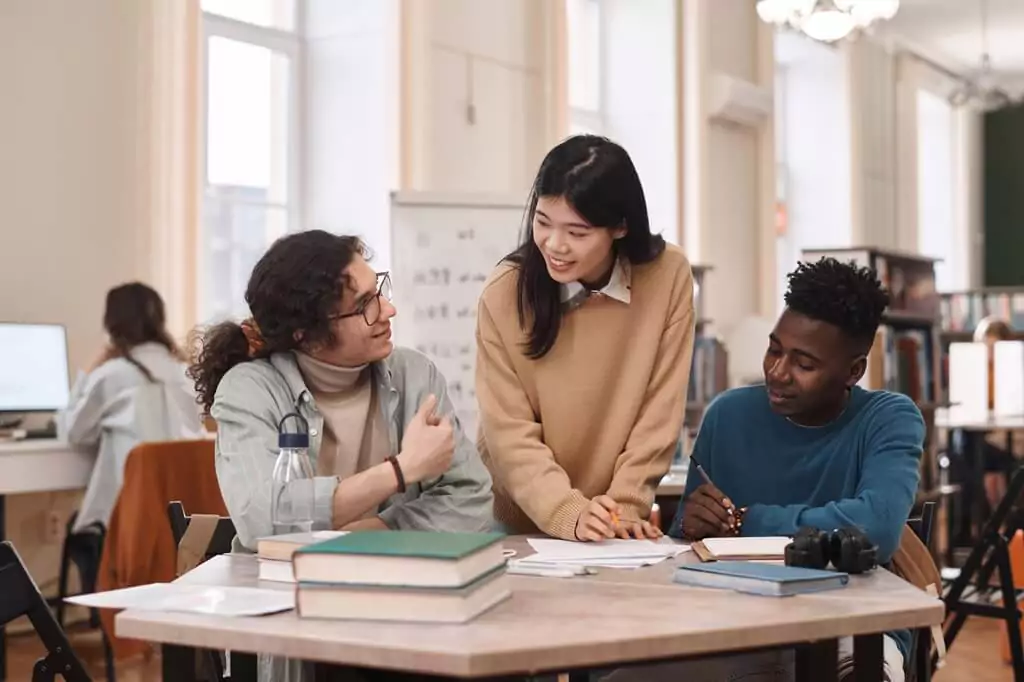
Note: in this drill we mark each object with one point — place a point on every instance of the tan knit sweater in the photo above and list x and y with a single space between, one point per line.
601 413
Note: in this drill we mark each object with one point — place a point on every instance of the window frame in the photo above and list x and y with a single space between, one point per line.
291 44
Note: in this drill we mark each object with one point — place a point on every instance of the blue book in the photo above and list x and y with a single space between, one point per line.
773 580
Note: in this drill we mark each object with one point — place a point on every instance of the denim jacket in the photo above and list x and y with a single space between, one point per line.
253 397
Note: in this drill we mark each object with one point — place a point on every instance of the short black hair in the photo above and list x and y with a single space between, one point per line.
841 294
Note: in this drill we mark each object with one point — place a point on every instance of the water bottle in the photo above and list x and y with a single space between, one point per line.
291 501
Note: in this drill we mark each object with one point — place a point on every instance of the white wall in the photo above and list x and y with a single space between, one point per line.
729 170
351 121
813 147
477 106
68 168
872 98
639 106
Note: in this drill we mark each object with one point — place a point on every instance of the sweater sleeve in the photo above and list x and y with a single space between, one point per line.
655 435
521 462
885 492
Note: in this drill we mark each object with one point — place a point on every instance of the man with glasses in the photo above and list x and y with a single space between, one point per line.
387 449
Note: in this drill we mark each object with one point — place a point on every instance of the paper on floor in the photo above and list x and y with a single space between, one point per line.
205 599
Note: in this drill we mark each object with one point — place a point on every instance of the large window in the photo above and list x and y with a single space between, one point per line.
250 161
937 191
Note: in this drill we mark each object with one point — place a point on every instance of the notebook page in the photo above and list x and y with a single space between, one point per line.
764 546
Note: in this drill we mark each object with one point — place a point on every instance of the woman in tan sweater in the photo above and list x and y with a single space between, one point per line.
584 340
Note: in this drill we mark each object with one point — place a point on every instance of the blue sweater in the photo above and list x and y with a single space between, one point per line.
860 470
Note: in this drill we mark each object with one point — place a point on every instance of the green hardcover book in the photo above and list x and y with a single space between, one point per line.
409 558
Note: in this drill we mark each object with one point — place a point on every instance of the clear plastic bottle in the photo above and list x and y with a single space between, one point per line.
292 490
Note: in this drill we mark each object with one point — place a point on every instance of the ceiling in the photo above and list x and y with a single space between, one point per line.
948 32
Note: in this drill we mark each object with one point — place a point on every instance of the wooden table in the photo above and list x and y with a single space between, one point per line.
556 625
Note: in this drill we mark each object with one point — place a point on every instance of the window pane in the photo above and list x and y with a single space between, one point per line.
583 19
237 228
247 118
278 14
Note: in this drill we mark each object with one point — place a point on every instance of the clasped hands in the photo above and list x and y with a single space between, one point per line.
602 519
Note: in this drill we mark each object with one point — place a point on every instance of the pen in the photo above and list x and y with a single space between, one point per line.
707 479
542 572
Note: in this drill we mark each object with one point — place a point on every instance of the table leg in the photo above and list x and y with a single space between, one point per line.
818 662
868 657
3 633
978 508
178 663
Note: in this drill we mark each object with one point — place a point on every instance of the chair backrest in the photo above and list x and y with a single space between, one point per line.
139 547
19 596
220 539
923 524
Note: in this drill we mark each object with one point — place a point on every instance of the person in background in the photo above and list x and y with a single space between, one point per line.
810 447
386 446
135 390
584 340
999 462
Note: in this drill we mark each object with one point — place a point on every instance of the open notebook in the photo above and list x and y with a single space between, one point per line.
742 549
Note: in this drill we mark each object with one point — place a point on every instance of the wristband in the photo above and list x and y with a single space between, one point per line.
398 473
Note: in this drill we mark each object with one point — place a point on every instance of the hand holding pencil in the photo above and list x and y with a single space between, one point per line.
602 519
708 511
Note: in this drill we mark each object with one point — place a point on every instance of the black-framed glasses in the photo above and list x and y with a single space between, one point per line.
370 308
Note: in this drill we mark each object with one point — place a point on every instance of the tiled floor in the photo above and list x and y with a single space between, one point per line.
973 658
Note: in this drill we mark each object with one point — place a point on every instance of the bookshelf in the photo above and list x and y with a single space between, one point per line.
961 311
906 355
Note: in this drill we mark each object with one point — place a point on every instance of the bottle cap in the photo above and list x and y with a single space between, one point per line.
293 440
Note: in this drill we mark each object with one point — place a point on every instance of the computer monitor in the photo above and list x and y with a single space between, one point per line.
33 367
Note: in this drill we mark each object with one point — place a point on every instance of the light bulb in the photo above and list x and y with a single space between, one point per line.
828 25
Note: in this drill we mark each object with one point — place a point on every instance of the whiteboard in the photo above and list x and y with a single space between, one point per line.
443 248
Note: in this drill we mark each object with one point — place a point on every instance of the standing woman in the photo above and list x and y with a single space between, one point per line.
135 390
584 340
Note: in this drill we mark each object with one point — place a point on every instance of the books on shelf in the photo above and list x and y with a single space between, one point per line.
407 575
962 311
708 370
901 360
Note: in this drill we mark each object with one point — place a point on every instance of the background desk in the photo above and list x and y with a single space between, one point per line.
953 418
37 466
552 624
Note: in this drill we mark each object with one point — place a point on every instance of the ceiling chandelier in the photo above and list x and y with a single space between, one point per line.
981 91
826 20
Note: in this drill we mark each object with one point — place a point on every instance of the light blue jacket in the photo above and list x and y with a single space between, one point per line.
254 396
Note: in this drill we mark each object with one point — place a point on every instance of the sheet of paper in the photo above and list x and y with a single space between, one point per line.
607 549
218 601
765 546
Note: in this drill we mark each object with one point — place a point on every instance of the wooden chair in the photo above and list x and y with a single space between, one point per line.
179 662
19 596
920 655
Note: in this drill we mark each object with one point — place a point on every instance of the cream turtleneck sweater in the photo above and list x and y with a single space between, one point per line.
355 436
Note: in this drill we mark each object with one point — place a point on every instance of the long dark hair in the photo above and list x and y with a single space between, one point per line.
292 292
597 178
133 315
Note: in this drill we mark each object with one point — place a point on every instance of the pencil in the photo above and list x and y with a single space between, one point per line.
707 479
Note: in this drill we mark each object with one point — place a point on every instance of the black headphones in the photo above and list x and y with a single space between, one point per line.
848 549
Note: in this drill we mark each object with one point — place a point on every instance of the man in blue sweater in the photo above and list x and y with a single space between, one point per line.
810 447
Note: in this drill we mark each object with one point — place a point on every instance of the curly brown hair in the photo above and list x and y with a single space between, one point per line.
292 292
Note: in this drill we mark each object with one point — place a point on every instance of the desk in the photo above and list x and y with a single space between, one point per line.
35 466
551 624
954 418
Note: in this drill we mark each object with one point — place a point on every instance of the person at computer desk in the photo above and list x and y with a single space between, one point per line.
135 390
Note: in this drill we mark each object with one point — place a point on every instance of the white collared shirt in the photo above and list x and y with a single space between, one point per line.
618 287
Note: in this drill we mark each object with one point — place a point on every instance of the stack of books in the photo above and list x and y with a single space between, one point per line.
274 553
401 576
